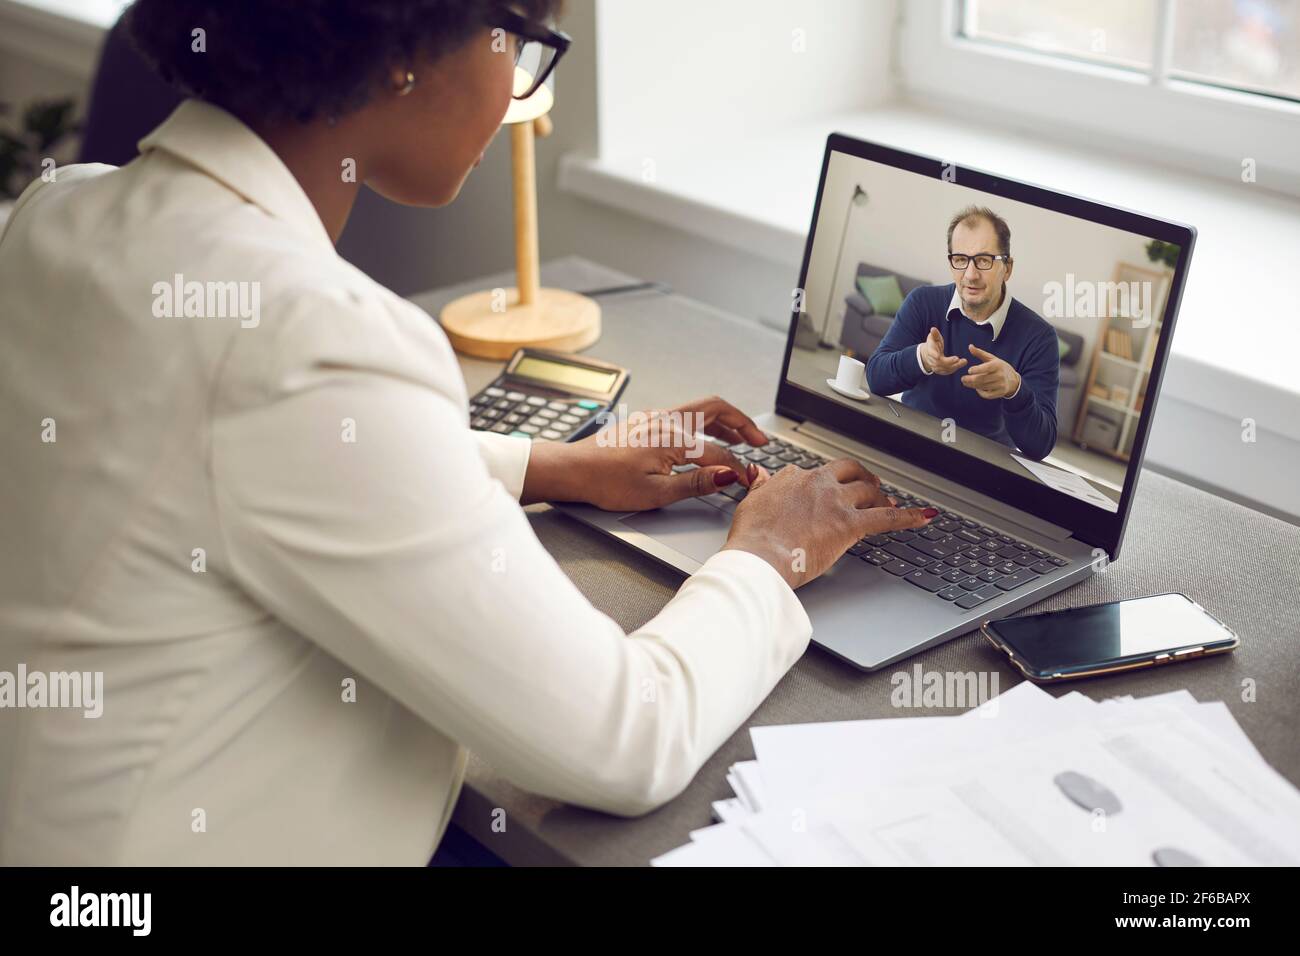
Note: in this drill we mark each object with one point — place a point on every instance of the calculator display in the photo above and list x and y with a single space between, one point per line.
562 373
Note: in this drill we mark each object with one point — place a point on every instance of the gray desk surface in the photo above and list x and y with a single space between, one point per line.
1241 565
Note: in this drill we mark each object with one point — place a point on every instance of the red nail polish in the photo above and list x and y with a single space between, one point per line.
931 512
723 478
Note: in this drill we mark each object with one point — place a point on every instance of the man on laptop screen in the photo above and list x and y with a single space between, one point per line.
971 352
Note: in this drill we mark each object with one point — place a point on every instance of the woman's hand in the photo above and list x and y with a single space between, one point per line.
800 522
629 466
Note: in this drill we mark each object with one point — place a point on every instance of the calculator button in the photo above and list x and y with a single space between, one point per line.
492 413
561 427
588 403
557 406
570 419
500 427
529 429
514 418
539 421
480 423
535 400
547 412
494 391
515 396
551 433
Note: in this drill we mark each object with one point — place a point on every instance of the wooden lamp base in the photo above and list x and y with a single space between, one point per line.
555 319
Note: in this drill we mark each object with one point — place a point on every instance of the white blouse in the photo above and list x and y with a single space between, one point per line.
256 508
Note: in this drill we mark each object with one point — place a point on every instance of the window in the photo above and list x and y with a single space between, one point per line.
1251 46
1117 32
1208 86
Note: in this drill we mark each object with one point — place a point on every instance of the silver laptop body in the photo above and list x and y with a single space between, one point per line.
872 612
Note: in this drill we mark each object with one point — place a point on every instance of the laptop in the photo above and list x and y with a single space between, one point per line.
1034 491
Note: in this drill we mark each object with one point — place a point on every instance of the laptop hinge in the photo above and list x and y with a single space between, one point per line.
914 477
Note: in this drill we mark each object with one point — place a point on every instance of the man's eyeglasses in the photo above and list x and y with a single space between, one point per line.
982 262
539 49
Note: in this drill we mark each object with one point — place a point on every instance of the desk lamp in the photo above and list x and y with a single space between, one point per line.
496 322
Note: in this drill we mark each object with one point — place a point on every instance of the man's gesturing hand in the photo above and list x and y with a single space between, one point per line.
992 377
934 360
800 522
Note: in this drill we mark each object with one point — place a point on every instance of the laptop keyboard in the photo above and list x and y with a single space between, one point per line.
955 558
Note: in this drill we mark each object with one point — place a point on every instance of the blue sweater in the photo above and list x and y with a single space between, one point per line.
1027 343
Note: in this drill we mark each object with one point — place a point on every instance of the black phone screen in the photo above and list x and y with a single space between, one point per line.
1123 631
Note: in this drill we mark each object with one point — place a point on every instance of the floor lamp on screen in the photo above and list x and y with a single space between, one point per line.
858 199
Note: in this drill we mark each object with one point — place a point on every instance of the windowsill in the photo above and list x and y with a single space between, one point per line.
757 195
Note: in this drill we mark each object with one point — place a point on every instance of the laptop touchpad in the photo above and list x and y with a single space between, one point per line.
696 529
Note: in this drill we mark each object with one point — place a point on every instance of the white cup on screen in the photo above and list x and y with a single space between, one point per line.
851 379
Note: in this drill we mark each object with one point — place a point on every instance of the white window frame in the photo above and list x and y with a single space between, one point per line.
1197 126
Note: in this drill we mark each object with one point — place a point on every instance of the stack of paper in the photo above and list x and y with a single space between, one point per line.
1025 779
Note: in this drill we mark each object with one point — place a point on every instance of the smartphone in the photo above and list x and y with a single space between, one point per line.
1107 638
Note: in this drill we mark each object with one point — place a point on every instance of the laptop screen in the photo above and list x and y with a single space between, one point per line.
1020 332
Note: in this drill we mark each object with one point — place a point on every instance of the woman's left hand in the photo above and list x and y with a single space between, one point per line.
628 466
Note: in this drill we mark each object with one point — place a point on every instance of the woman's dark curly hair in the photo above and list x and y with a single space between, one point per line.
301 59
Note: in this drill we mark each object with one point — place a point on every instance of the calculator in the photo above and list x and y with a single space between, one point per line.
548 396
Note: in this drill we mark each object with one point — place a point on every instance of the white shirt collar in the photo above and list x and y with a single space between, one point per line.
220 145
996 320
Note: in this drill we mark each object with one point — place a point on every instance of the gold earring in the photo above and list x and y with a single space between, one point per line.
408 85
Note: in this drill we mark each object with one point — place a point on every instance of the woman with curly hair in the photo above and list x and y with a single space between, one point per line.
247 529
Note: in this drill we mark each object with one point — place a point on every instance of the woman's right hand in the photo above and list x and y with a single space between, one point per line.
801 521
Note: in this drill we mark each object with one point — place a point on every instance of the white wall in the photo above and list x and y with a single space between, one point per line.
767 61
646 107
414 249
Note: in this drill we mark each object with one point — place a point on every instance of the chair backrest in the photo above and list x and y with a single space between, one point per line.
127 100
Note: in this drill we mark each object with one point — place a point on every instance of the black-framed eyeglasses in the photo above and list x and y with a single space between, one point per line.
540 47
982 262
